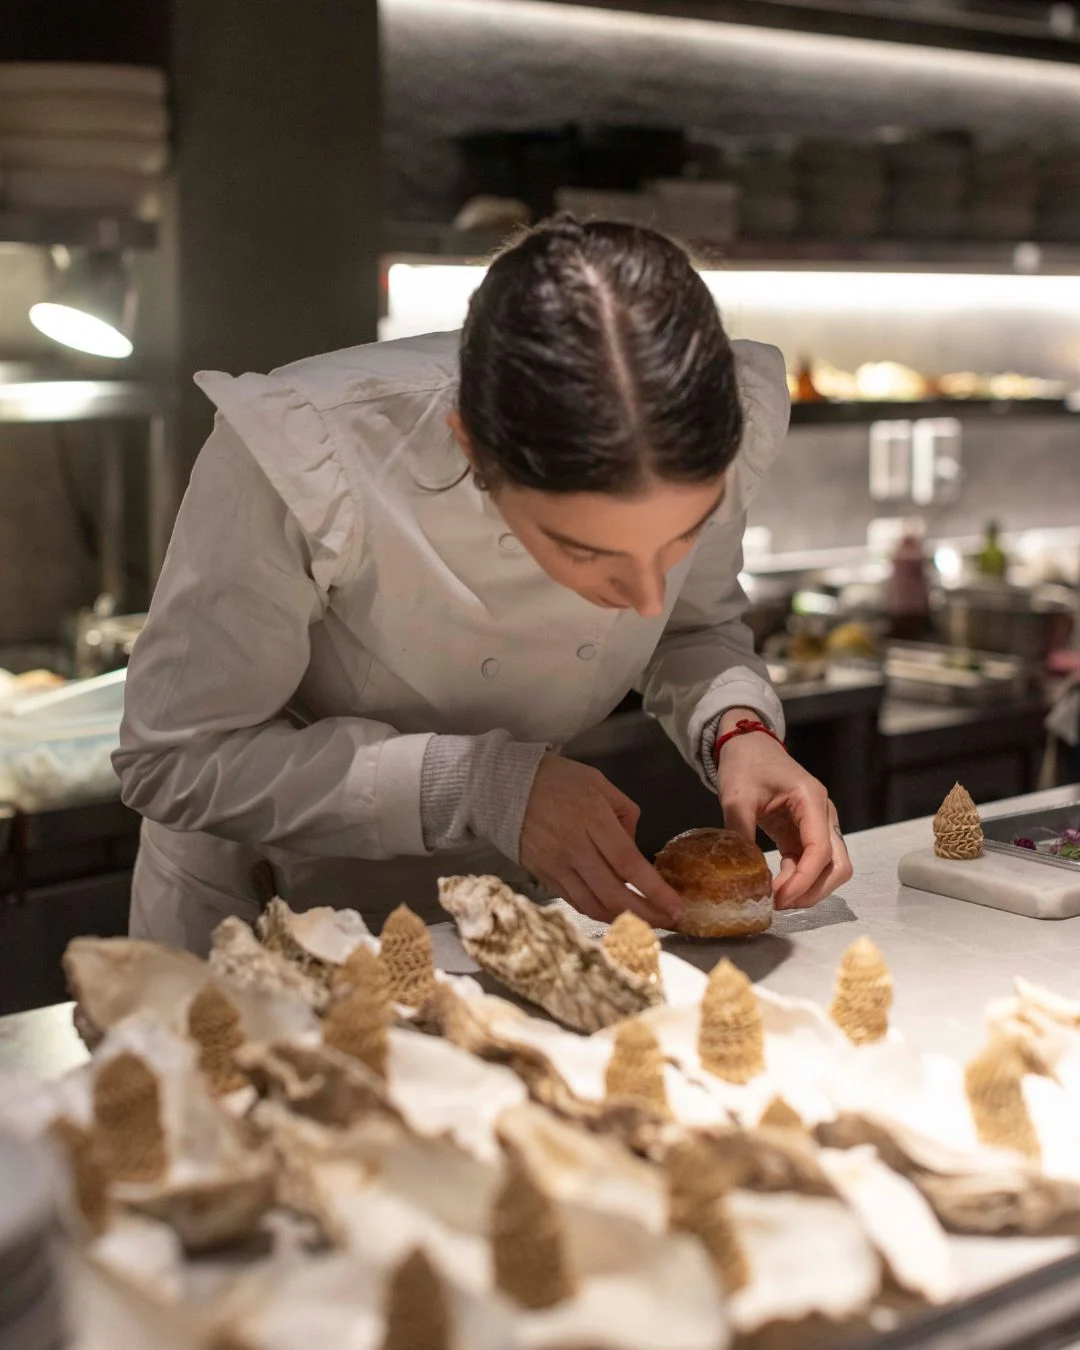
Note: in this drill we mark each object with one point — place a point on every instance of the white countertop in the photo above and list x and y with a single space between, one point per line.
948 958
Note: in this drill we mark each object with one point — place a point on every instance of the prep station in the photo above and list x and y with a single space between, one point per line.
949 960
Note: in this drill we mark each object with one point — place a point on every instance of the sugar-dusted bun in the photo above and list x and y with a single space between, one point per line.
724 881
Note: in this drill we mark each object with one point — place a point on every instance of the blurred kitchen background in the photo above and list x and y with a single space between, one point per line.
887 190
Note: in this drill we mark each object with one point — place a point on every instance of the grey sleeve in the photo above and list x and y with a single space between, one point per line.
477 787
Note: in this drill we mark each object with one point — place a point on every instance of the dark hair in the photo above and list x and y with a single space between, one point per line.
592 358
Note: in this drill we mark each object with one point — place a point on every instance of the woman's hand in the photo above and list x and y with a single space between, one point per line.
578 839
762 786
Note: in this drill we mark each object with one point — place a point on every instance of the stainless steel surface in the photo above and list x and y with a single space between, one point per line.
936 674
1007 620
1039 826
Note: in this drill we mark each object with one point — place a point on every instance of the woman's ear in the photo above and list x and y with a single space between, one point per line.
457 427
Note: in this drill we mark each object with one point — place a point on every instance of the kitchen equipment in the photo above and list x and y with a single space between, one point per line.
30 1312
697 208
1041 827
1010 619
931 673
104 640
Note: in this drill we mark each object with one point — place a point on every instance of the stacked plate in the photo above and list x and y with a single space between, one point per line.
82 137
929 176
30 1311
842 187
1059 196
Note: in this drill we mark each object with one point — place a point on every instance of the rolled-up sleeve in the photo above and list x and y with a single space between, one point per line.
205 745
705 661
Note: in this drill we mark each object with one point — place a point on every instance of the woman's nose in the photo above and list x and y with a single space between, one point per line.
644 590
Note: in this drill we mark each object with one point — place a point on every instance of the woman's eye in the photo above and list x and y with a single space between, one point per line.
578 555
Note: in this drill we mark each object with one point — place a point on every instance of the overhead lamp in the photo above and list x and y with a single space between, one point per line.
91 304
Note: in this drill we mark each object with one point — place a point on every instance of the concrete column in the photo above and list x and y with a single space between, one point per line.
273 230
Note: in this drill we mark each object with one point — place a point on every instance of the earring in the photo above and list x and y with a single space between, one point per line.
479 482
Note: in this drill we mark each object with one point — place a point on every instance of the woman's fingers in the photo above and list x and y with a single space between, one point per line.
835 874
810 809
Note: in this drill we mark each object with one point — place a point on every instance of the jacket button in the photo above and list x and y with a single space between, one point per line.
508 543
587 652
490 668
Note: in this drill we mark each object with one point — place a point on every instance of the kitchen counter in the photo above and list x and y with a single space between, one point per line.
948 958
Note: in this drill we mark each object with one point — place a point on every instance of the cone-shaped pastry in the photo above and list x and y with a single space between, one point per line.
90 1186
731 1040
127 1120
356 1022
417 1309
958 832
528 1247
410 963
779 1115
635 1071
633 944
214 1025
696 1205
863 994
993 1081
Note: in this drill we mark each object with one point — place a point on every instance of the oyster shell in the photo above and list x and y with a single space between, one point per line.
116 978
316 940
752 1202
238 956
540 955
804 1254
433 1087
897 1219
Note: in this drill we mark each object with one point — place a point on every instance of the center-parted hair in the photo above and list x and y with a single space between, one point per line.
593 359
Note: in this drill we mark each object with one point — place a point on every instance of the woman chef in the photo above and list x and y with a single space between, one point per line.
404 575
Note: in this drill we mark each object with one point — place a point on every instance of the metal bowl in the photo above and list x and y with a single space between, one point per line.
1023 623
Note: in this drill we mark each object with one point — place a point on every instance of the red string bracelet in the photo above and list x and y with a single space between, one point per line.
744 728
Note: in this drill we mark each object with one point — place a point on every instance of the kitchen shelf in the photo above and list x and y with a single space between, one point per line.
830 414
76 229
873 20
74 400
429 243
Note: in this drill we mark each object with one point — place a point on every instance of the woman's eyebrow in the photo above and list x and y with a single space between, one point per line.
565 539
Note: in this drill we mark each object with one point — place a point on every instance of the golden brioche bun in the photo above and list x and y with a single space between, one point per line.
724 881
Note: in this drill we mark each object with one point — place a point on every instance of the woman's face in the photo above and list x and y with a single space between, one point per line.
615 552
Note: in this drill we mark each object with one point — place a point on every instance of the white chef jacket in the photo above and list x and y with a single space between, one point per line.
316 566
